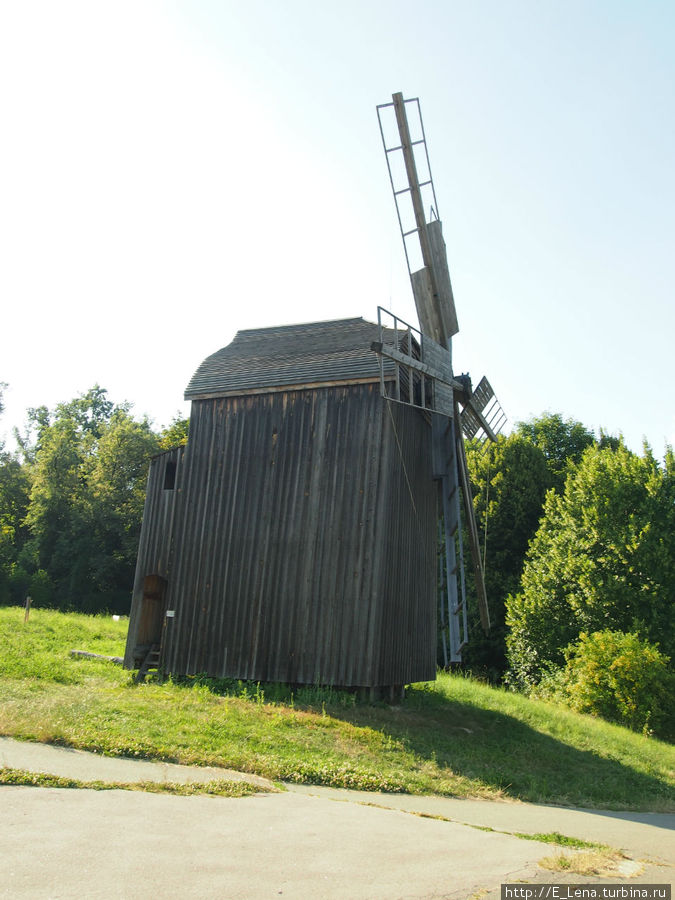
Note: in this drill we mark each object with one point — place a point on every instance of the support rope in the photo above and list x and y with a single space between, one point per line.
405 471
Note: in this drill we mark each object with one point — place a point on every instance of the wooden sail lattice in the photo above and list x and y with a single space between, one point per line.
483 417
421 363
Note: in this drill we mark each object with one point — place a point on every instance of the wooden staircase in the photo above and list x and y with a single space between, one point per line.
150 663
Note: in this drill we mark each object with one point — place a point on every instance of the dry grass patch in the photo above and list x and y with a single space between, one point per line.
600 863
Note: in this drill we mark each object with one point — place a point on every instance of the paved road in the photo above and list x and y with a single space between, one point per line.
304 843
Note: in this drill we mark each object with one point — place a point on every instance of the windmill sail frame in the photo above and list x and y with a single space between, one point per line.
431 284
423 366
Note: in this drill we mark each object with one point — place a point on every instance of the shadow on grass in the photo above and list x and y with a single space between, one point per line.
488 746
509 755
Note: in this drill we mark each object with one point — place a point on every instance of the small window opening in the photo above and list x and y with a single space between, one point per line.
170 475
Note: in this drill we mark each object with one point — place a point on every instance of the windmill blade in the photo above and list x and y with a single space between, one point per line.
431 284
432 289
472 528
482 416
429 367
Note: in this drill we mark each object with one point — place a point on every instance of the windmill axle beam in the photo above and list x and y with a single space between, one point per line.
404 359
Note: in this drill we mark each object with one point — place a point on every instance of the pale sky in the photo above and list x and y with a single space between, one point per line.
171 172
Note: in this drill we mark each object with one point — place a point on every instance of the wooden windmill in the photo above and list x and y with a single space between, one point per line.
293 539
423 360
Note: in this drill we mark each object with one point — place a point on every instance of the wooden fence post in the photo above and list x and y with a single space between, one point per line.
28 603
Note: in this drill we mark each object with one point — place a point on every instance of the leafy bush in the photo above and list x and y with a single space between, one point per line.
621 678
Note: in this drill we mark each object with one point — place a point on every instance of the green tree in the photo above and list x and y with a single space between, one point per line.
88 469
562 441
603 558
116 478
176 434
509 480
14 490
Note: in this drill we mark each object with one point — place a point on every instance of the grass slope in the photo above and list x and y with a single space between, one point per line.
454 737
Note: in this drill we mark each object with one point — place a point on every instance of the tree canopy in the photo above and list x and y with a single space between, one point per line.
603 558
14 497
509 480
71 511
562 441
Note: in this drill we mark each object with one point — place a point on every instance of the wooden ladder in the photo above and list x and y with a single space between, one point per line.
151 662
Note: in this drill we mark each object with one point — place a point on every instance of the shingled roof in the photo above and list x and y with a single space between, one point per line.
261 359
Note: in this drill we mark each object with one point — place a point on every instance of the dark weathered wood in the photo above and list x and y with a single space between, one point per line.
301 546
156 546
442 283
435 364
151 661
294 490
87 655
418 365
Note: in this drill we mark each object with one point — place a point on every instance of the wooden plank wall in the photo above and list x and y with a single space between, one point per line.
156 540
299 554
407 581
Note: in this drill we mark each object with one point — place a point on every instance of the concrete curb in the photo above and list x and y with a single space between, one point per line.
84 766
341 843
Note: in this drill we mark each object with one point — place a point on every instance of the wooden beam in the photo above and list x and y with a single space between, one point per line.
472 528
431 285
287 388
413 180
405 360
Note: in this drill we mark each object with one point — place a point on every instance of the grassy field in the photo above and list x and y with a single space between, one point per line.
455 736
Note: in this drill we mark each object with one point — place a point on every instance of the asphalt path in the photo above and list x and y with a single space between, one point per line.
304 842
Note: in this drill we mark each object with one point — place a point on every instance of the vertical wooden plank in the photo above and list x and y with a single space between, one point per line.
296 556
